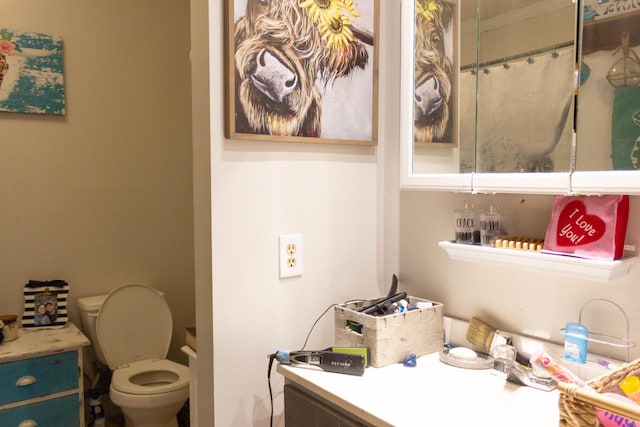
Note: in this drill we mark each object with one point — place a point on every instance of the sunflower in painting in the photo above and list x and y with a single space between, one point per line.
428 8
333 20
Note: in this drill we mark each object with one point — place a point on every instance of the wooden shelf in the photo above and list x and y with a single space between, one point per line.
600 271
606 33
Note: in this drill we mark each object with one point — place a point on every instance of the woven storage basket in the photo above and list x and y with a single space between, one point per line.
391 338
578 406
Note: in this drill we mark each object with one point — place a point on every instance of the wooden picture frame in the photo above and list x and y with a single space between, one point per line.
319 85
436 71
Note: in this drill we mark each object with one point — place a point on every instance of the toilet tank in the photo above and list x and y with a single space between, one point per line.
89 308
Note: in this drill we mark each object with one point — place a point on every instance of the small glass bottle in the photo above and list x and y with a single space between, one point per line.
465 225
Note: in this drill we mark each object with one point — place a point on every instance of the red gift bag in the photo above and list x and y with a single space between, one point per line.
592 227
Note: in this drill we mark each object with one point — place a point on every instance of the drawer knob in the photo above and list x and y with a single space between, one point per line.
24 381
28 423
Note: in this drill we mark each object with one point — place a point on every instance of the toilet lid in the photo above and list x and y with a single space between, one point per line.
133 324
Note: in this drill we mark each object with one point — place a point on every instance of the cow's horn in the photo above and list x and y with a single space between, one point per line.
362 34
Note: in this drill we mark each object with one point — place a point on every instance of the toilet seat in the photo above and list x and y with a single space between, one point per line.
151 377
134 324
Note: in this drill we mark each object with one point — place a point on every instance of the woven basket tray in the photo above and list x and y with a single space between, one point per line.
392 338
578 406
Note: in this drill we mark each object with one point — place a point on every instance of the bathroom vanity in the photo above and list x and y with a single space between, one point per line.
41 378
432 393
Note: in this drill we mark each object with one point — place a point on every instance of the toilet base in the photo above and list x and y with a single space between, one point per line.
153 423
138 412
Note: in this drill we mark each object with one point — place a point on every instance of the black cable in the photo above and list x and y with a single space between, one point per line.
314 325
318 319
272 356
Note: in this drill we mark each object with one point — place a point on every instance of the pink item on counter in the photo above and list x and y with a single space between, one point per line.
609 419
544 361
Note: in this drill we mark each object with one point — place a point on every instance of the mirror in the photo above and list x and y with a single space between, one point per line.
608 119
511 100
435 104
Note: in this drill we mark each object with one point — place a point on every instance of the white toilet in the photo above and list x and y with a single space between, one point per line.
130 330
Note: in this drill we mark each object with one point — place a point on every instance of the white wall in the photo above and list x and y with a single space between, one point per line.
336 196
529 302
103 195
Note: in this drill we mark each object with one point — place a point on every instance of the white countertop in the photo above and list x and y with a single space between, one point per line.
35 341
432 393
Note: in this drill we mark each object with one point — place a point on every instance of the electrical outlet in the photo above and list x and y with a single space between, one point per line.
290 255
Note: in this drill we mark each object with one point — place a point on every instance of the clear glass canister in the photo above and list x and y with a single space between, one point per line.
493 224
465 225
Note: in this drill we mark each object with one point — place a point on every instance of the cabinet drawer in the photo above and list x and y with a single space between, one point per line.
41 376
304 410
59 412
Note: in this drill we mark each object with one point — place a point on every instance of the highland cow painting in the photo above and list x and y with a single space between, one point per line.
435 79
31 73
302 70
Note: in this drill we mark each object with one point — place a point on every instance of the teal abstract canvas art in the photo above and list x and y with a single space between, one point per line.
31 73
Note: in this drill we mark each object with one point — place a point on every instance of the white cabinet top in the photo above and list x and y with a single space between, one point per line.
35 341
432 393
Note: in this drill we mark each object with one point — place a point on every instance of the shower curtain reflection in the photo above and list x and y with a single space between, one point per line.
524 114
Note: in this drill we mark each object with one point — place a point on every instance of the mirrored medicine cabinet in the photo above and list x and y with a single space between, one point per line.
520 96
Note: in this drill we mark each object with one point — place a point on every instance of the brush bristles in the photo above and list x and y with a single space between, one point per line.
480 334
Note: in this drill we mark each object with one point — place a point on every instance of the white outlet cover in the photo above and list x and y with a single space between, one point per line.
290 264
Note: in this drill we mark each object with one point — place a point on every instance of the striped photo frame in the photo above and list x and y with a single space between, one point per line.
45 304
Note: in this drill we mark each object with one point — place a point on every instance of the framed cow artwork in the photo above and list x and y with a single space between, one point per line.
435 96
302 70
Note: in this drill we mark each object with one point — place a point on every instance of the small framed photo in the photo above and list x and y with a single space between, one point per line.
302 70
45 304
